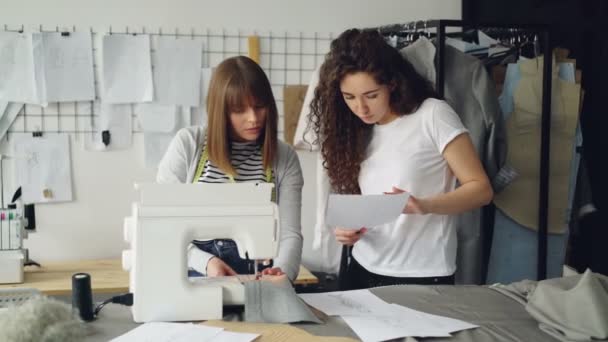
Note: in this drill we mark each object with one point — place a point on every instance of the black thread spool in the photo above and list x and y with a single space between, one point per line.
82 298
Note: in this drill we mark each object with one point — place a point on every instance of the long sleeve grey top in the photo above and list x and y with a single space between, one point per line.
179 164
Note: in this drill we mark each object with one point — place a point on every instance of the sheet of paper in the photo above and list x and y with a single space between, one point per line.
42 167
156 144
373 319
199 113
382 328
8 113
17 71
396 321
170 332
356 303
127 69
356 211
430 321
68 66
116 119
154 117
155 147
177 71
229 336
39 69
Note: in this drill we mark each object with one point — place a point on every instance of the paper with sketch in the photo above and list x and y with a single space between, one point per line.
170 332
177 71
356 211
8 113
68 66
396 321
373 319
382 328
42 167
430 321
39 67
117 120
156 144
357 302
17 70
154 117
127 69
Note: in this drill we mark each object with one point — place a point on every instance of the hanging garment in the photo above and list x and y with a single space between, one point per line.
514 247
519 199
470 91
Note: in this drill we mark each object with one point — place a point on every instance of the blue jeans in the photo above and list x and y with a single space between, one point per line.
226 250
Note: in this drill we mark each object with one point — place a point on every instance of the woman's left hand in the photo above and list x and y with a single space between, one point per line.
413 206
275 271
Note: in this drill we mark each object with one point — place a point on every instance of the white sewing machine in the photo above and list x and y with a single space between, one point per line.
12 253
166 220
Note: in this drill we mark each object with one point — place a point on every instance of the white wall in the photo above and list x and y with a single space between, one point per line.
91 226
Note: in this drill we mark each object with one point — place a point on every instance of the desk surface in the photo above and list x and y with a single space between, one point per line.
501 319
107 276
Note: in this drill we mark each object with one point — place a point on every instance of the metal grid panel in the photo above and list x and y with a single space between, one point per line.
287 58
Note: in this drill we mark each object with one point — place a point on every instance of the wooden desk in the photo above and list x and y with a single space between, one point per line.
107 276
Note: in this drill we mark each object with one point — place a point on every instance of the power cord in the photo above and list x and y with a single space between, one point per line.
124 299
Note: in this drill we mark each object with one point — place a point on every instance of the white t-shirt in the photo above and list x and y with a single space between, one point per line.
407 153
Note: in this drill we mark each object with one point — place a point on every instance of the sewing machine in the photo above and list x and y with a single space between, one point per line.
12 253
163 223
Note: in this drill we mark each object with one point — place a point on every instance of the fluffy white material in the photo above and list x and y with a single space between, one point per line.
41 319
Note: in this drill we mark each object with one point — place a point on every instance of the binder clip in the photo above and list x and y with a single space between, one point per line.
37 134
65 34
105 137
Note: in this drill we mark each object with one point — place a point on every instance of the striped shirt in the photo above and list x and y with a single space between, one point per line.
247 160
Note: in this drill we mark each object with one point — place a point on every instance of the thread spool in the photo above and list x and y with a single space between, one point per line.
82 298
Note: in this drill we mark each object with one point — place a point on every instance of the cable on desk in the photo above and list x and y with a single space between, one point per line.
124 299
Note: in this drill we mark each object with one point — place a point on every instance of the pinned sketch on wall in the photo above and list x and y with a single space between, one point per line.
156 143
42 167
17 70
8 113
127 69
155 117
68 66
39 66
113 129
177 71
199 114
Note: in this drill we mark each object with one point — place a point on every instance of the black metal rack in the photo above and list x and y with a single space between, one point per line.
543 31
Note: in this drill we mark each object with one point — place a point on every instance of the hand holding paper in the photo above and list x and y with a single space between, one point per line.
356 211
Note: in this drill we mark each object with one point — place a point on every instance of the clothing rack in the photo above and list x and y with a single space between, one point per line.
543 31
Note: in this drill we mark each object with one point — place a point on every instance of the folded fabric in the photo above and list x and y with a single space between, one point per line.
275 301
572 308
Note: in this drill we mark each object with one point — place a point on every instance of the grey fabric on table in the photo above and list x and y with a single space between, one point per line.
519 291
275 302
499 317
572 308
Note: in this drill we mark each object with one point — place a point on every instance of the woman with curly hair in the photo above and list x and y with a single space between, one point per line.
383 129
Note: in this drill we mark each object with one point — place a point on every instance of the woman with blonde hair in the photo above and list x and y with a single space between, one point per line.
239 144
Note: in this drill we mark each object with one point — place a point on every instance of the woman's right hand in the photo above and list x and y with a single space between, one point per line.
216 267
349 237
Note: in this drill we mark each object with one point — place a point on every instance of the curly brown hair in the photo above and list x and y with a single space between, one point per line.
342 135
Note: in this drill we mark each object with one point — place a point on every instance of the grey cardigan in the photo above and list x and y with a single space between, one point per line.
179 164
